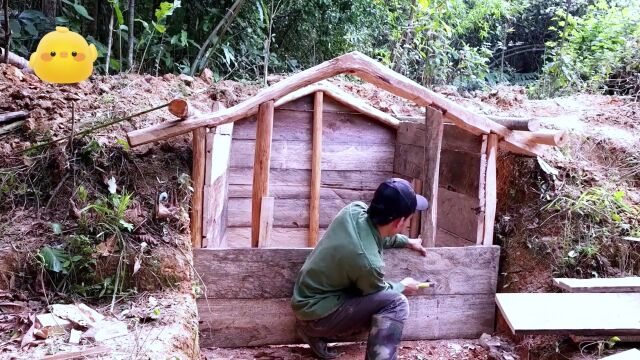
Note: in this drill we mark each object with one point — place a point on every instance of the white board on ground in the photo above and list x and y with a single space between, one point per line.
609 285
633 354
571 313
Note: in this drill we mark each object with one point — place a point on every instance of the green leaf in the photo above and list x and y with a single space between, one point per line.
159 27
126 225
79 9
116 8
166 9
57 228
31 29
124 144
52 258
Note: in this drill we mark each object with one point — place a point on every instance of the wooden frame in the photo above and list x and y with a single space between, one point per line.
490 189
365 68
262 161
316 158
197 177
432 149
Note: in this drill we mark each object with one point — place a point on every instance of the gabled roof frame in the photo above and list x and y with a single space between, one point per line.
362 66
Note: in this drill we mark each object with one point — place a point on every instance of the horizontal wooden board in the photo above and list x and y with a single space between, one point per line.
571 313
240 237
599 285
253 322
306 104
457 214
287 212
347 179
447 239
453 137
297 155
337 128
459 170
303 192
270 273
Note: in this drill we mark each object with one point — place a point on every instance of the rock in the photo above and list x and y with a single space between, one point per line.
487 341
74 337
455 347
188 80
105 330
79 314
207 76
52 324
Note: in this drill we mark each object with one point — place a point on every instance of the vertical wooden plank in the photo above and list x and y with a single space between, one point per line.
266 221
207 193
490 189
414 229
316 158
481 191
432 147
197 176
262 159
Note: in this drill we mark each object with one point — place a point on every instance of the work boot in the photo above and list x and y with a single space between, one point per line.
318 345
384 338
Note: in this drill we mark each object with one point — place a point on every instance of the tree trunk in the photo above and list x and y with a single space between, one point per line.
7 33
49 8
132 9
217 33
267 48
109 43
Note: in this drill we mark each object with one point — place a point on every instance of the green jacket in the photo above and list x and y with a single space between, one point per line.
347 261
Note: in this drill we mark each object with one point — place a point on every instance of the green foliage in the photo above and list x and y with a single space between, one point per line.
590 46
592 220
591 49
72 265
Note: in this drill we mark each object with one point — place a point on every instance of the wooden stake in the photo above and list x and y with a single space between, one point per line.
316 158
490 189
197 176
414 229
266 221
481 191
432 145
261 163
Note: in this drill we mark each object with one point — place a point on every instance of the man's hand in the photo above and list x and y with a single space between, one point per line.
416 245
410 286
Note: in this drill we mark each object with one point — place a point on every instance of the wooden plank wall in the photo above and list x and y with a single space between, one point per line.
236 312
218 145
357 154
459 180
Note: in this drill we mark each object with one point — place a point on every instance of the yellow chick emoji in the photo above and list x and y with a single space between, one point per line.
63 57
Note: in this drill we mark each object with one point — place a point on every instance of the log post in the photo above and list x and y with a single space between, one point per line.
261 164
490 189
316 158
414 228
197 176
266 221
434 126
481 191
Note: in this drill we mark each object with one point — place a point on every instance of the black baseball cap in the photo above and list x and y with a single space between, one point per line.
394 199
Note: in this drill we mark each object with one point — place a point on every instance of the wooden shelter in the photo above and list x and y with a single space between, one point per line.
273 171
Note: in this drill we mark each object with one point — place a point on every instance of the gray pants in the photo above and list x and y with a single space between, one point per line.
354 316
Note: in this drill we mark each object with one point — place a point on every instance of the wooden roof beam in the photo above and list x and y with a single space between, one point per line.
356 64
